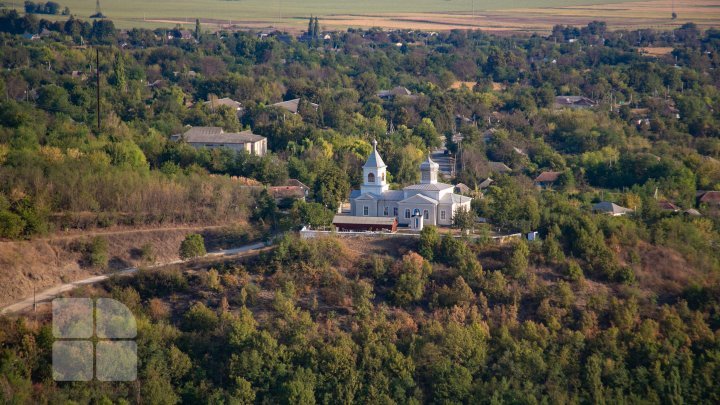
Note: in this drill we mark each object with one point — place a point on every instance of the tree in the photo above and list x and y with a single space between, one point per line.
331 186
464 219
311 27
98 252
193 246
313 214
518 263
429 242
412 272
316 28
198 29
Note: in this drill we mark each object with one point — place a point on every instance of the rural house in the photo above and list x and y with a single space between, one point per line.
612 209
547 179
215 137
294 105
574 102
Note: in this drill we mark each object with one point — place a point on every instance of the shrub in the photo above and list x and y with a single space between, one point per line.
574 272
193 246
98 252
147 253
11 225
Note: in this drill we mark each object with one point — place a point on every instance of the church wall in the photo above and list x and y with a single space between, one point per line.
431 213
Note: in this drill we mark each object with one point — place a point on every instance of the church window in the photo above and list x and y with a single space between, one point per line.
382 176
366 210
416 212
371 178
442 214
407 213
395 211
386 211
426 214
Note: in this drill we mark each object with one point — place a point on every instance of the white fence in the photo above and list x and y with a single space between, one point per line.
307 233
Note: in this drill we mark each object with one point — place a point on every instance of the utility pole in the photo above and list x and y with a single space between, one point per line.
97 64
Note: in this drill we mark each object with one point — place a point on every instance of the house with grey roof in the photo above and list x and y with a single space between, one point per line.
216 137
395 92
293 105
574 102
610 208
215 103
427 203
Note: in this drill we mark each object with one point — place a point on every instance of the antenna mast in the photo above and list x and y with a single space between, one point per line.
97 7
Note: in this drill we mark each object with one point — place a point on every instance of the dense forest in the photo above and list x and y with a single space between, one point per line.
602 309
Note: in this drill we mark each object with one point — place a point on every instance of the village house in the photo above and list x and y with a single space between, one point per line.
427 203
574 102
395 92
215 103
547 179
499 167
293 105
611 209
709 198
215 137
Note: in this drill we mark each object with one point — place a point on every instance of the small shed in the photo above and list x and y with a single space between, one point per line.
347 223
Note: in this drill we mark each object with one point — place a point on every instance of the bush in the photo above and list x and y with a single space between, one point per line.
11 225
574 272
193 246
147 252
98 252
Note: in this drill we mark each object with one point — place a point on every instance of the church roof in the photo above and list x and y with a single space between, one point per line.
429 187
389 195
419 199
374 160
454 199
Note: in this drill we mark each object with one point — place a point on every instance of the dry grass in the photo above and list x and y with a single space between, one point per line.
655 51
44 263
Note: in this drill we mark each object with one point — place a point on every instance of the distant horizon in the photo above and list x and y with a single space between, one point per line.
429 15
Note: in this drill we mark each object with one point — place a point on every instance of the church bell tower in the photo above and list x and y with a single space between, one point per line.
374 174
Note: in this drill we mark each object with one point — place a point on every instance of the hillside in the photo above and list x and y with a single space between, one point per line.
325 319
32 266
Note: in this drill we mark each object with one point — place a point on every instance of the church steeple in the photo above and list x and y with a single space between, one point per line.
374 172
429 171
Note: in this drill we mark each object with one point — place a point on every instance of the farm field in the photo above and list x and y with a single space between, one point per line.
491 15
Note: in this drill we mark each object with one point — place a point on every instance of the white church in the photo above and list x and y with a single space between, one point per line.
427 203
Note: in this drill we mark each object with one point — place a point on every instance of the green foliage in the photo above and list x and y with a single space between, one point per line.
412 276
463 219
11 225
200 318
429 242
192 246
97 251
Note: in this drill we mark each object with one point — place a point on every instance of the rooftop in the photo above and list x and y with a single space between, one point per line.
430 187
547 177
293 105
217 135
610 208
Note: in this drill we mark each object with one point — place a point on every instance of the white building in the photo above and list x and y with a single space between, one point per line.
434 202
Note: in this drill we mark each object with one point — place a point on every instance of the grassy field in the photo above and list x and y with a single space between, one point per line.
499 15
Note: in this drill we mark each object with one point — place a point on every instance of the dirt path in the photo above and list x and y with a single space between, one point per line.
53 292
